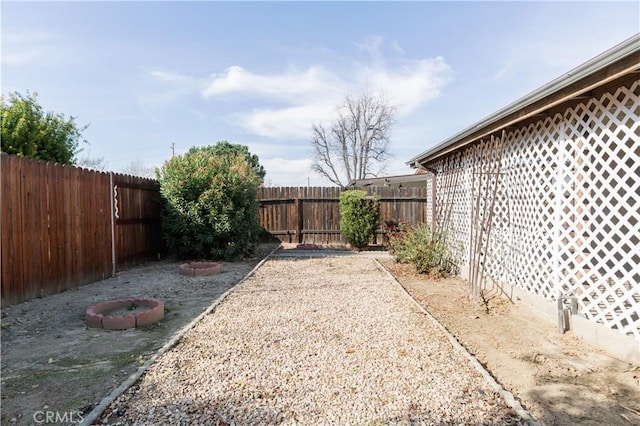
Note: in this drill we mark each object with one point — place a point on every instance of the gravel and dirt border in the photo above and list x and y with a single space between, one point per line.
53 364
497 387
108 400
506 396
542 370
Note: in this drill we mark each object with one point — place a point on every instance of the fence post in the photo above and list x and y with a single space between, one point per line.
300 219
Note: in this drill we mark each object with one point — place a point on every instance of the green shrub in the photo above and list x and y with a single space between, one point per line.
392 232
417 245
210 205
359 217
228 148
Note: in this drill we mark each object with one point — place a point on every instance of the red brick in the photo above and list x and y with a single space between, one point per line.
153 315
92 319
118 322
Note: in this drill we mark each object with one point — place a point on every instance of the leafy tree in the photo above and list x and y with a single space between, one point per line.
211 206
30 132
227 148
357 144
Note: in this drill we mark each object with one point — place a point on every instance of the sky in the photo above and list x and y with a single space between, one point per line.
155 78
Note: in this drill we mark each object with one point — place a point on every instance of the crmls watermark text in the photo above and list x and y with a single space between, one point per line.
48 417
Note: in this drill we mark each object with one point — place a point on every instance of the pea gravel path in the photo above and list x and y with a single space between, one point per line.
313 341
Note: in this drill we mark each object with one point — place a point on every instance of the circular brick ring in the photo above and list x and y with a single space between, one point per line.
194 269
124 313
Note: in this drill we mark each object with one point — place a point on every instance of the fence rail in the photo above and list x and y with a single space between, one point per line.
312 214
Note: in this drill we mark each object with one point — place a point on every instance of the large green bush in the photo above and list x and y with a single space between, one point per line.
417 245
210 205
228 148
359 217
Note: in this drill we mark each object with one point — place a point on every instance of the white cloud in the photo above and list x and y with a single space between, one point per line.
287 123
395 46
291 86
295 99
371 46
26 47
417 83
172 87
313 95
274 150
281 172
171 77
397 166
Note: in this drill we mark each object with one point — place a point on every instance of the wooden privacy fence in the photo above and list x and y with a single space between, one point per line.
64 226
138 220
312 214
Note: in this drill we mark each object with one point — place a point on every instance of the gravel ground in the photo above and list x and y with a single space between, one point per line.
313 341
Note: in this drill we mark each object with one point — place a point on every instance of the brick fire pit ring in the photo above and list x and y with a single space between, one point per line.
194 269
122 314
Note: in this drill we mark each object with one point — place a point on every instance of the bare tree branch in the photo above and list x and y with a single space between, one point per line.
357 145
138 168
92 163
323 164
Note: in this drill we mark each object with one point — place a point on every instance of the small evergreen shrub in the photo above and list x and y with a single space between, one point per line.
417 245
359 217
210 205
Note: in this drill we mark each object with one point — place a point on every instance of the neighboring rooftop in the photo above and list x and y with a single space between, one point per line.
414 180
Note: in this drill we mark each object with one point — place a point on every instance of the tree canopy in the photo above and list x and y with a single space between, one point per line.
357 144
29 131
224 148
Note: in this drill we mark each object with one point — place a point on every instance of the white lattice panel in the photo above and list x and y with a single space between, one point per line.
453 203
567 211
602 229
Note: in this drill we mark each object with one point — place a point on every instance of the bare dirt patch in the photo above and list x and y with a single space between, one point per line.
52 362
560 379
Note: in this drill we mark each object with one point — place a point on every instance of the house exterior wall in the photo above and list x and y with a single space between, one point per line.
553 208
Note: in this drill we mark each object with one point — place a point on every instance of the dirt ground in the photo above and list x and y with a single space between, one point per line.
51 362
560 379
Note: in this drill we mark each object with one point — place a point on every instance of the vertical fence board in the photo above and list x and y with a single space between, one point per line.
312 214
29 223
6 236
73 226
12 232
138 227
41 232
56 226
